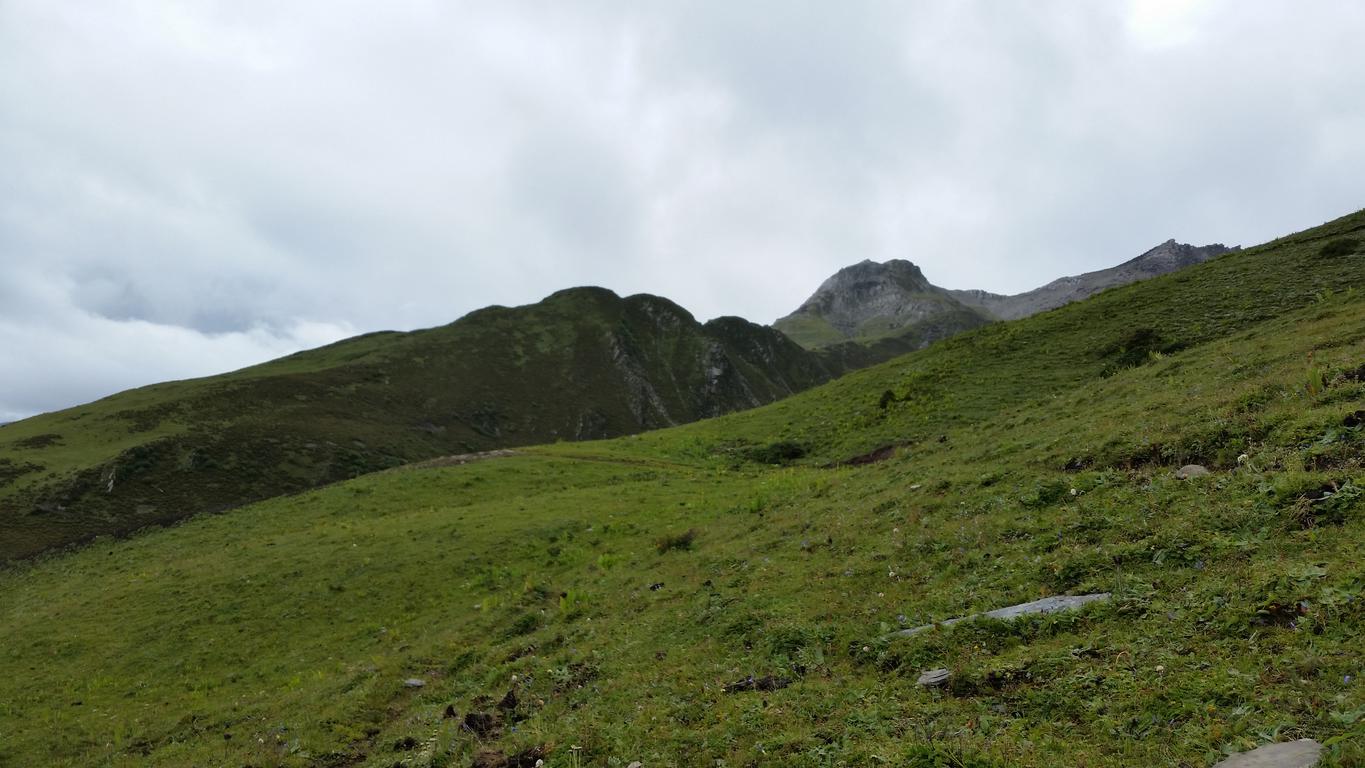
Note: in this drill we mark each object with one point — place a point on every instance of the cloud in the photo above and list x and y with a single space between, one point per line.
194 186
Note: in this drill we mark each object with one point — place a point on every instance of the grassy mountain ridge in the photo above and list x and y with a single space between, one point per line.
583 363
617 587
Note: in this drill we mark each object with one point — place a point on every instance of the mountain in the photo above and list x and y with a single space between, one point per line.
1167 257
891 308
869 301
582 364
729 591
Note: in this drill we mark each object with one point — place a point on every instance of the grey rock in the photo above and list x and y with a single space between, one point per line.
413 682
934 678
870 300
1303 753
1192 470
1045 605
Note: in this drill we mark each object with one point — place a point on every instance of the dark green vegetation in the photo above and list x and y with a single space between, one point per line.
582 364
618 587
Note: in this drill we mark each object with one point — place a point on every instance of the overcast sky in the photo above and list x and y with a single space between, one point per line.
190 187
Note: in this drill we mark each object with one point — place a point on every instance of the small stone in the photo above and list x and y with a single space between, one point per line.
636 764
1192 470
413 682
934 678
1287 754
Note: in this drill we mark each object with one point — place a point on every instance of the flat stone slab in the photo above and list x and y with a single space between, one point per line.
1287 754
1045 605
934 678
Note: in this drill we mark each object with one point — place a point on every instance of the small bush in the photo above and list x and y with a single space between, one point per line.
1142 345
1045 494
780 452
1342 246
525 624
680 541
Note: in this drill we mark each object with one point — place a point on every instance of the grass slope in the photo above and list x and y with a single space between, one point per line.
1034 458
583 363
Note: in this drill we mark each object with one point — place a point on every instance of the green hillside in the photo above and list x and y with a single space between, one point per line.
620 589
584 363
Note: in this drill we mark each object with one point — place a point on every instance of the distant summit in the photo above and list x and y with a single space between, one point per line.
893 301
1167 257
868 301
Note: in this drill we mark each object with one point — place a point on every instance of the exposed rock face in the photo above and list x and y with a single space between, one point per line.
870 301
1167 257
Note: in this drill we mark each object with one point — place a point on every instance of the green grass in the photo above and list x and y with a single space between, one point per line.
810 331
1027 462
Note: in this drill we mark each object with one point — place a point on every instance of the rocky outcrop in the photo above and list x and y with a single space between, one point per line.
870 301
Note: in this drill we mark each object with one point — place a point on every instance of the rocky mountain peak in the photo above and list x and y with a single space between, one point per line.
1170 256
867 278
863 286
871 300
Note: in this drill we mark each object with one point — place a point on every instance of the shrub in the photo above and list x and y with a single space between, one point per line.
1140 346
1342 246
681 541
779 452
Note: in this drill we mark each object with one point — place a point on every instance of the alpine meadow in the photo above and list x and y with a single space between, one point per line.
734 591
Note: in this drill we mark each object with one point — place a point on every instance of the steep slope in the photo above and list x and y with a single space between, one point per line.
674 598
1167 257
870 301
583 363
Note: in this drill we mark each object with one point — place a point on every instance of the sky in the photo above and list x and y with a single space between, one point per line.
191 187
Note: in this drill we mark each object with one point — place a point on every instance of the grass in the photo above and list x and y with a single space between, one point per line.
1025 462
